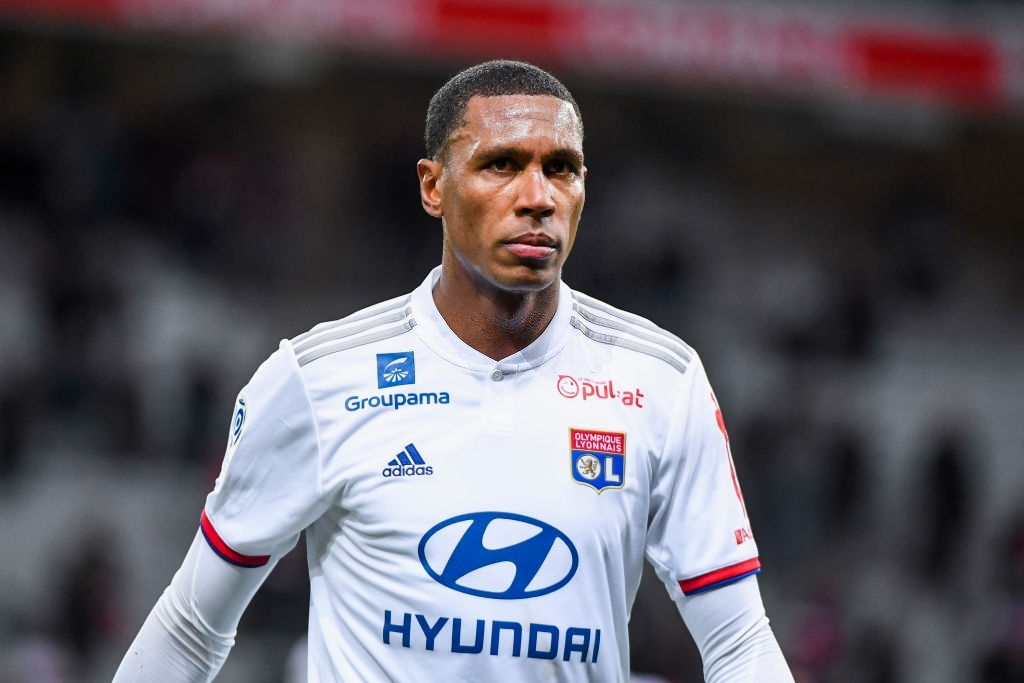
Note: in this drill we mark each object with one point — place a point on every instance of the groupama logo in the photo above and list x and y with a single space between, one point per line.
395 369
498 555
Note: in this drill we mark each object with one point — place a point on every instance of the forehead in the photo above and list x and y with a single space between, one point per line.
506 120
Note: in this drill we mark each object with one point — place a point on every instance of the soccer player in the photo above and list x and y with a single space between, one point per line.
482 465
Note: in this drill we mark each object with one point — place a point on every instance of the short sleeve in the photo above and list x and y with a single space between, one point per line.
699 537
269 486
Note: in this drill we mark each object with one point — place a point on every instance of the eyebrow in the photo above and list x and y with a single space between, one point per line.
568 153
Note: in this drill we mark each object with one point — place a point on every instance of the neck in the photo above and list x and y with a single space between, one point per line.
495 322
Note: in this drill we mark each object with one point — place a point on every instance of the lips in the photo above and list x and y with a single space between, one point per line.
531 246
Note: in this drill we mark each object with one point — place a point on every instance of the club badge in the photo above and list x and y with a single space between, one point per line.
598 458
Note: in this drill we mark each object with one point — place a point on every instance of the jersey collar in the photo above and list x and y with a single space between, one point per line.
434 331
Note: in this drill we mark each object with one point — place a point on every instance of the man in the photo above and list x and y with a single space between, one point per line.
480 466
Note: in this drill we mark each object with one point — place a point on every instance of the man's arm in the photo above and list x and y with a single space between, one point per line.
733 635
268 491
191 629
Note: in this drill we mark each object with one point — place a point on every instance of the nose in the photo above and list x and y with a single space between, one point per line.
535 194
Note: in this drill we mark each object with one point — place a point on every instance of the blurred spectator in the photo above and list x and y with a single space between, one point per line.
915 237
1002 659
816 653
206 203
1010 557
846 481
35 656
89 613
1002 655
873 656
15 409
201 433
785 478
945 505
85 386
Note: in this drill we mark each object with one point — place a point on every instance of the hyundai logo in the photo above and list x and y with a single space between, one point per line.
498 555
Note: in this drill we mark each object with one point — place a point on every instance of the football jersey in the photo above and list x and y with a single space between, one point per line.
468 519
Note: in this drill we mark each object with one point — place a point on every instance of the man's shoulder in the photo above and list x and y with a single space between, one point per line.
604 323
375 323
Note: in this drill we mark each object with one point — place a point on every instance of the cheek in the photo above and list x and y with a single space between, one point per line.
574 221
572 240
464 219
475 207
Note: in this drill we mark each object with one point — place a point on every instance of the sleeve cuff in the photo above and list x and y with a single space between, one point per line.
224 550
720 577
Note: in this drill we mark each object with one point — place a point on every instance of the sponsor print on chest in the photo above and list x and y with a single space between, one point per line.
589 389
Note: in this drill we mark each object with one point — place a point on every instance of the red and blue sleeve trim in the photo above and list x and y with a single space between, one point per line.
224 550
720 577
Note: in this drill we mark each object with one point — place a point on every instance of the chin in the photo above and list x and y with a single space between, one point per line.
533 281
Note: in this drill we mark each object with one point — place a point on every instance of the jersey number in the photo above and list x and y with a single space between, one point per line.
728 452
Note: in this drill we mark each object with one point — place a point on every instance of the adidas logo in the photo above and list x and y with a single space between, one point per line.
408 463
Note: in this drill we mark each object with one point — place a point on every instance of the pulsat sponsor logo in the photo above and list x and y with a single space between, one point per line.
590 389
408 463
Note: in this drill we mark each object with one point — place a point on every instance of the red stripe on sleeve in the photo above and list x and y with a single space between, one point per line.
721 576
225 551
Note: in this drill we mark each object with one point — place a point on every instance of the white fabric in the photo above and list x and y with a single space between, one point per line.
474 519
191 629
733 635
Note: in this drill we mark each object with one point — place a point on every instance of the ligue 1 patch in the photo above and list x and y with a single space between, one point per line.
598 458
237 422
395 369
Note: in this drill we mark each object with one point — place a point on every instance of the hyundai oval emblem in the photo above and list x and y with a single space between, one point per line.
498 555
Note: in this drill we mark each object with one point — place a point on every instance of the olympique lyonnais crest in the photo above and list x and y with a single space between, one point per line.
598 458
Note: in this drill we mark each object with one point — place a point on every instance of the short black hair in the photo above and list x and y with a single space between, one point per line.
447 109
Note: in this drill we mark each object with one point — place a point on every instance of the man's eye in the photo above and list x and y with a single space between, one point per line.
501 164
559 167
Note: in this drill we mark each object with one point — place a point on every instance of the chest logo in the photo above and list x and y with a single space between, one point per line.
395 369
586 389
408 463
598 458
498 555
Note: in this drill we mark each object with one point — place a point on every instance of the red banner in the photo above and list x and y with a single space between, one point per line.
672 41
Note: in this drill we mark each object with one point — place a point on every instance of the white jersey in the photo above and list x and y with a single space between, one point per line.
474 520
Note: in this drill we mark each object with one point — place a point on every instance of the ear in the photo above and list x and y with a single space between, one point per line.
429 172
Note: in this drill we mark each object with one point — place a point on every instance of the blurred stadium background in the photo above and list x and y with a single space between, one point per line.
825 198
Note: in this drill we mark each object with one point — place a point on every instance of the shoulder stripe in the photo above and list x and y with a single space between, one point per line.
376 309
326 349
345 331
625 316
656 336
660 353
